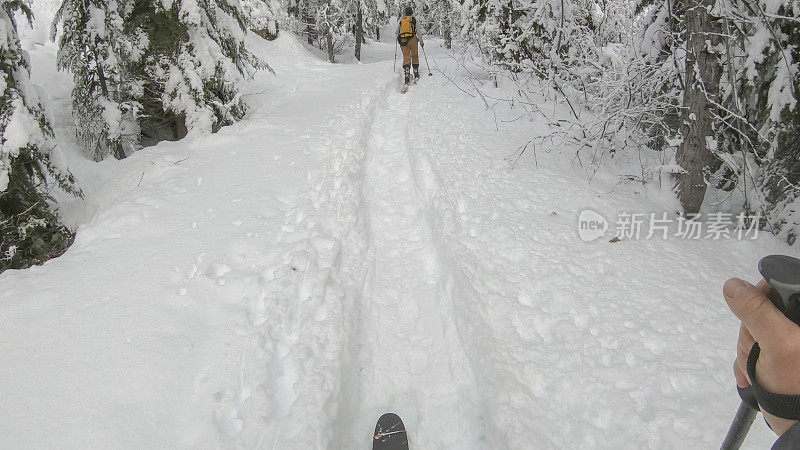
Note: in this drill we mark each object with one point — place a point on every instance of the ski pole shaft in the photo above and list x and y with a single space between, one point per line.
394 66
426 61
782 273
741 424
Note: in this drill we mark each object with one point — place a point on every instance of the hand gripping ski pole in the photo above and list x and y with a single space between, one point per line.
783 275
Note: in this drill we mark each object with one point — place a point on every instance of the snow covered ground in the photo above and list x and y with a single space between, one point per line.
346 251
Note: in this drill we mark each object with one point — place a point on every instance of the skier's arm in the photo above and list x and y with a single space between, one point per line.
778 365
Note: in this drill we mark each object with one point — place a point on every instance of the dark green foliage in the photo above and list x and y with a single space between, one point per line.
764 121
93 48
172 97
30 231
516 35
156 70
165 33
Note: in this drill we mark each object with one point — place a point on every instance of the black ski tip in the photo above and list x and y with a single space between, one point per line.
390 433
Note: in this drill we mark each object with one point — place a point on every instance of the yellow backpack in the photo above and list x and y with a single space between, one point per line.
407 26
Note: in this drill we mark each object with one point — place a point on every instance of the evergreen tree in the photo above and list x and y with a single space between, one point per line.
327 21
330 23
148 71
516 34
302 17
658 47
194 60
30 231
263 17
93 47
762 117
367 15
442 17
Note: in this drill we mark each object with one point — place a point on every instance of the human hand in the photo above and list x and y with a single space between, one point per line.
778 365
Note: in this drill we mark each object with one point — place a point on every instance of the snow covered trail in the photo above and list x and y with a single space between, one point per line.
346 251
205 300
405 307
573 344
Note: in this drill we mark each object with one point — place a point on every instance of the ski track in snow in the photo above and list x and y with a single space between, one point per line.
346 252
406 307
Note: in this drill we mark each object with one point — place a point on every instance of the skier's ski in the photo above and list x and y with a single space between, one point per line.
390 433
405 87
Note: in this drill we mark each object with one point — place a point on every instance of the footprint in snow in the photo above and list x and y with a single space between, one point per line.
220 270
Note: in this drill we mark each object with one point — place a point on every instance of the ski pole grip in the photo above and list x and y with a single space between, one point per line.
748 396
782 273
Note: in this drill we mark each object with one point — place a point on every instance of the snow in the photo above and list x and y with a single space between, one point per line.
21 130
780 93
20 123
346 251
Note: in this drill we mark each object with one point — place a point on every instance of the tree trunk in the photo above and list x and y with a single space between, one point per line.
310 35
270 36
329 43
359 32
179 127
378 34
703 71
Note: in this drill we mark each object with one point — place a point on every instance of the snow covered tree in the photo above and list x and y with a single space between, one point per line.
659 42
358 27
442 17
93 47
302 17
701 98
148 71
332 24
734 89
761 115
322 21
263 17
30 231
367 15
529 35
515 34
194 58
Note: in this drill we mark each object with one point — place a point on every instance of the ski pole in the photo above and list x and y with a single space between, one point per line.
741 424
782 273
394 66
430 74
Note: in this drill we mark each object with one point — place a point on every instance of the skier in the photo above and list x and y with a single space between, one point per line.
408 39
779 363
